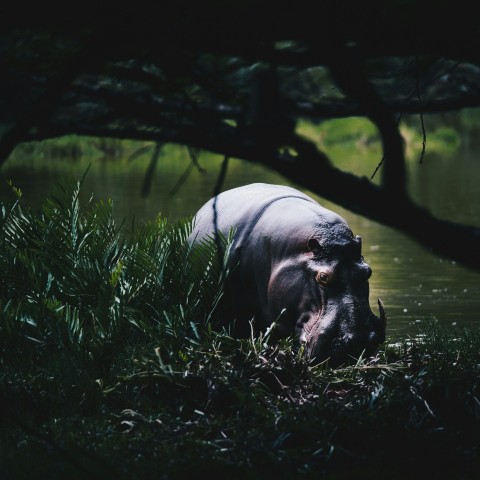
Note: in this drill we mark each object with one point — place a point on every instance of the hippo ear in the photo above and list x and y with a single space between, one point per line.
314 245
358 239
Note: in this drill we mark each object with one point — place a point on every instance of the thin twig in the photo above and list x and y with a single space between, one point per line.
424 135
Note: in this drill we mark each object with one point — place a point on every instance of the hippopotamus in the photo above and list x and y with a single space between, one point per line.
297 268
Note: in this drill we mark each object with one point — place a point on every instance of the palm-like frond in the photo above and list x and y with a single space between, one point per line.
71 278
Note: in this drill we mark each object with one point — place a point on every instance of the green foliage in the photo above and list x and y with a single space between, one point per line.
344 137
351 131
72 279
76 146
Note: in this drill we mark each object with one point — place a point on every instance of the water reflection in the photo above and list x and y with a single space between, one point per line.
415 285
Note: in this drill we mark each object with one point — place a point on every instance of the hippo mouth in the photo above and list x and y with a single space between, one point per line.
346 349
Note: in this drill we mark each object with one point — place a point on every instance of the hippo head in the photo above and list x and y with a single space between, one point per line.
325 292
336 322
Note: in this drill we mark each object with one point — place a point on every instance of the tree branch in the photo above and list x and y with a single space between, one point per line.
348 75
311 169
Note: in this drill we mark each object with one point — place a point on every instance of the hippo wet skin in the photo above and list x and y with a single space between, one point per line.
297 264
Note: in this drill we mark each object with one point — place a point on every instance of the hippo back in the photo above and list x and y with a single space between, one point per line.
240 209
270 222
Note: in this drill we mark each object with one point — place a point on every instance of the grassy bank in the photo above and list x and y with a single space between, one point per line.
113 365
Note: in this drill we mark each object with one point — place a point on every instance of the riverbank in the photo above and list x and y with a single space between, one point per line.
233 409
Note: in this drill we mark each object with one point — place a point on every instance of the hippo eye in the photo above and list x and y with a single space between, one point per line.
321 278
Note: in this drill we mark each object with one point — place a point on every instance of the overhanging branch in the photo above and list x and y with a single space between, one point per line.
312 170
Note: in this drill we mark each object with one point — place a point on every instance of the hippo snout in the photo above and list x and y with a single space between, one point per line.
345 348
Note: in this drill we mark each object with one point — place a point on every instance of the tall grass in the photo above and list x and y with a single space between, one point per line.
72 280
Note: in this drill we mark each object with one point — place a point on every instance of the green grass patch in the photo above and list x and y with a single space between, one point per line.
114 365
356 140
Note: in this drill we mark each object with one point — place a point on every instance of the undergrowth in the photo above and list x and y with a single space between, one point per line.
113 365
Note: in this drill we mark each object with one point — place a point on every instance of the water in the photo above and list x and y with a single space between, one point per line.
416 286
